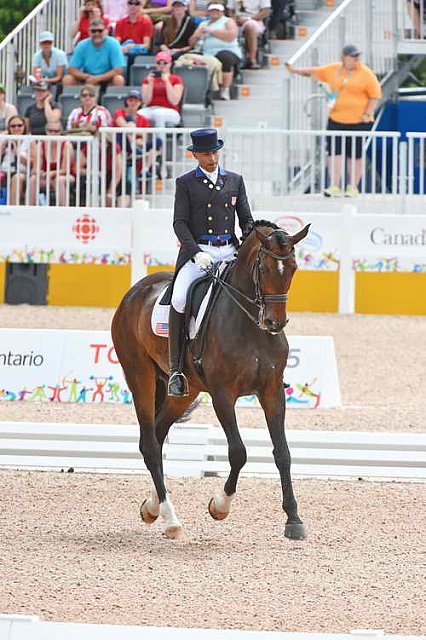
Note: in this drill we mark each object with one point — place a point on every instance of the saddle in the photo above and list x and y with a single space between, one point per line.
200 298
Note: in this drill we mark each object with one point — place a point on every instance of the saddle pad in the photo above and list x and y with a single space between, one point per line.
160 316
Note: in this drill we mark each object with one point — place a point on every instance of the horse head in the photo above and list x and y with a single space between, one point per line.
273 268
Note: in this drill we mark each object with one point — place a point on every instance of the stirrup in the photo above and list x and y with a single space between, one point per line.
178 385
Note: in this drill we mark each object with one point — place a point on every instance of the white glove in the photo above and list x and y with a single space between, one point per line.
203 260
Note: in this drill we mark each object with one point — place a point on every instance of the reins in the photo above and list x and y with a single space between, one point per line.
261 299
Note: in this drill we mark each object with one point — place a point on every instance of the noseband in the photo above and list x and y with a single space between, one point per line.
261 299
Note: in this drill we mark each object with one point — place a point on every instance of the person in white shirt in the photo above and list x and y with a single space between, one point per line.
250 16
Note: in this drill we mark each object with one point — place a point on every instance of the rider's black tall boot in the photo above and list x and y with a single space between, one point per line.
178 384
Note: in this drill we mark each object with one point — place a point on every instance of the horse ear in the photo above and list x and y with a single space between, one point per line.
300 235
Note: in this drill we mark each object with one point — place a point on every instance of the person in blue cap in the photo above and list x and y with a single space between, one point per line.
207 200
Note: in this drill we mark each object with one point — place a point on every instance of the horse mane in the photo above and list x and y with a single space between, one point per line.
281 238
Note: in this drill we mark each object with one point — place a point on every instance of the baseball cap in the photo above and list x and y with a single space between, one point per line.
351 50
134 93
46 36
184 2
42 85
215 5
163 55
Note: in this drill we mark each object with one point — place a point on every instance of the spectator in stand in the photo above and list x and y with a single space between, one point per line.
162 93
218 37
416 11
134 32
90 116
157 10
353 94
176 32
134 29
97 60
144 148
7 110
52 163
250 17
43 110
13 160
89 11
49 63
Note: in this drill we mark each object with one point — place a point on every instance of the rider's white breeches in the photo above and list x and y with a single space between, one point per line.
189 272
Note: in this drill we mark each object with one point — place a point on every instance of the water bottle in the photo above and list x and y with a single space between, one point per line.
42 200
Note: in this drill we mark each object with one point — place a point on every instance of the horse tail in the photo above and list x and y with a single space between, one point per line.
188 412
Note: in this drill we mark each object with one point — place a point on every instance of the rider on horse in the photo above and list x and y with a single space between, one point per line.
206 201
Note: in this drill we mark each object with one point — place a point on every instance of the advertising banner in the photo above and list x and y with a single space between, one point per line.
381 243
39 365
74 235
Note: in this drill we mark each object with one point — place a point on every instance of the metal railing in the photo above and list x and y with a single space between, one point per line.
370 24
18 48
121 166
49 170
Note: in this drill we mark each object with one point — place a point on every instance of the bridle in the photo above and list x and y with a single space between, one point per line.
260 299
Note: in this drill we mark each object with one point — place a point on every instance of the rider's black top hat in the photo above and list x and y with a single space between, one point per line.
204 140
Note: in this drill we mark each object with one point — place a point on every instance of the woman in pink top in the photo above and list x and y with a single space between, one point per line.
162 92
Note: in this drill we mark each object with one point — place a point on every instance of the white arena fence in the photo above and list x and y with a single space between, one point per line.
21 627
120 166
199 450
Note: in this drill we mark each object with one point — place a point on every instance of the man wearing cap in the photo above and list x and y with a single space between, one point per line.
206 201
162 92
97 60
353 94
49 63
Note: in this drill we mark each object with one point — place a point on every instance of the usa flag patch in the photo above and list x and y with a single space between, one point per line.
162 328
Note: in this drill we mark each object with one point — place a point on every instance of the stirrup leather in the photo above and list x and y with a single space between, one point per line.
178 385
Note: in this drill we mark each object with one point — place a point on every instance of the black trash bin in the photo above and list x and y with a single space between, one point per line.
26 283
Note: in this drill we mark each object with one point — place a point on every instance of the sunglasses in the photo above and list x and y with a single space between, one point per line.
162 62
87 95
53 130
15 126
133 2
96 30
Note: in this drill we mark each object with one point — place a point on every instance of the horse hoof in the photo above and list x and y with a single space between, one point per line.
215 514
296 531
173 532
146 515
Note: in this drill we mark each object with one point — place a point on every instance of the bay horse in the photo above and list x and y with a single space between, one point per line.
245 351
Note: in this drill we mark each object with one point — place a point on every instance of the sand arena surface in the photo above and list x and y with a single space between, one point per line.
72 546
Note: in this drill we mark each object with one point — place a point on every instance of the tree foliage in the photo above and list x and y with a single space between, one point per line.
12 12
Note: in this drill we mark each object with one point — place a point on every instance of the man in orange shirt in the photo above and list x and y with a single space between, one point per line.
353 94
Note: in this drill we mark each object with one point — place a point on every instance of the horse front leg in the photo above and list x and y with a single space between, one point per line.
272 400
224 406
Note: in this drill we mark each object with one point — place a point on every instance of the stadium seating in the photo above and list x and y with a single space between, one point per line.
197 101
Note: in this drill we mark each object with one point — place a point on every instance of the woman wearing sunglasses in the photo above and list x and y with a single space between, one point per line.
90 116
13 160
52 163
162 93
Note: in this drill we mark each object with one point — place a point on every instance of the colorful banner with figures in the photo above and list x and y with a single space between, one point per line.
62 235
381 243
38 365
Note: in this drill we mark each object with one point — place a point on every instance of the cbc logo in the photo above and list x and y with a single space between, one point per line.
85 228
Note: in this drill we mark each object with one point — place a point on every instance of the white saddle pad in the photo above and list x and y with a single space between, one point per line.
160 316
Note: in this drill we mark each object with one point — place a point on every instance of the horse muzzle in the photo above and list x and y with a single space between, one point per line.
274 326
